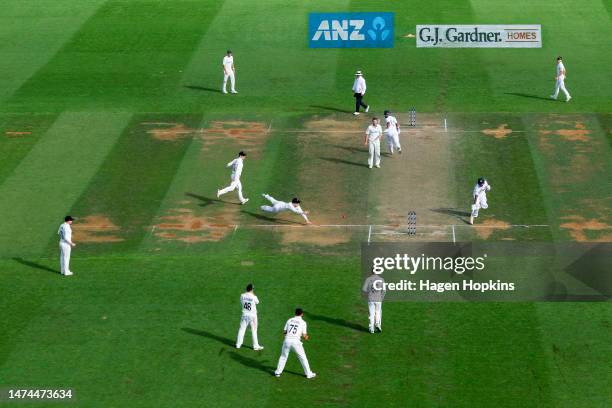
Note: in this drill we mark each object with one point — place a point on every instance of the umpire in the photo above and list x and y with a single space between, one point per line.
359 89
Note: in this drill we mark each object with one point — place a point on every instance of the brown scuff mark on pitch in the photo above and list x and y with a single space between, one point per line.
582 229
579 133
96 228
501 132
487 227
171 134
15 135
185 226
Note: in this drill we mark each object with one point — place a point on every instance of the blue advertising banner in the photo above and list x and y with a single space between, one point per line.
351 30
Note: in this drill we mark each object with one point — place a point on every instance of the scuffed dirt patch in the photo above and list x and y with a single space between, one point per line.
499 133
486 229
587 230
96 229
313 235
171 134
15 135
579 133
185 226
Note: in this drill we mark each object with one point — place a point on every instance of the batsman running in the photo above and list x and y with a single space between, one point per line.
236 166
479 197
392 131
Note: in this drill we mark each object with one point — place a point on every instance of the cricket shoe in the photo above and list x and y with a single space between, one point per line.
553 97
378 166
238 346
68 273
372 331
379 329
568 99
276 375
368 109
234 92
224 91
218 193
311 375
400 151
258 348
243 202
355 113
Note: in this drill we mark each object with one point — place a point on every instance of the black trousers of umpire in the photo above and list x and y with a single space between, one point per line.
359 101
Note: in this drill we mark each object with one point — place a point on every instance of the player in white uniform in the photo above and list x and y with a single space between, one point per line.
65 244
375 298
359 89
229 71
294 330
392 131
236 166
248 304
479 197
560 78
372 140
278 206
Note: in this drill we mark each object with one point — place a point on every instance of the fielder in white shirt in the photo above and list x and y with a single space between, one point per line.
376 294
359 89
479 197
65 244
372 140
248 304
560 78
294 330
236 166
279 206
392 131
229 71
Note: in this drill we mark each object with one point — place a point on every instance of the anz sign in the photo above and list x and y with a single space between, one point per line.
350 30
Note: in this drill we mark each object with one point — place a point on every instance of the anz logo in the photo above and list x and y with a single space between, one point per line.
350 30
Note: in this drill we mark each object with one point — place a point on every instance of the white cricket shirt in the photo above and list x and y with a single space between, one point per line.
359 86
479 190
374 132
295 328
248 303
391 124
228 62
236 166
65 233
560 68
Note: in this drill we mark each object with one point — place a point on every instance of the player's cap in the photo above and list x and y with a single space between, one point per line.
358 73
559 58
387 112
249 287
68 218
481 181
241 153
295 200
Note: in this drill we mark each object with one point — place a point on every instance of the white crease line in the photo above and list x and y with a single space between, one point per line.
454 234
369 234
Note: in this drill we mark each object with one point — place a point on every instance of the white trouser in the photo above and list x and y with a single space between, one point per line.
235 184
277 206
65 249
375 314
481 202
560 85
393 141
232 78
298 348
245 321
374 150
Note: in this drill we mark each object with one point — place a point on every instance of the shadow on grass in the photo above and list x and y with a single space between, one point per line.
258 365
338 322
36 265
351 149
331 108
223 340
261 217
206 201
202 88
342 161
524 95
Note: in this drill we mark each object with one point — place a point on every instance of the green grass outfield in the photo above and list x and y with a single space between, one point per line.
110 111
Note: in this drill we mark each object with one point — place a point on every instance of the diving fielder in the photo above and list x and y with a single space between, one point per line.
392 131
479 197
279 206
236 166
294 330
560 78
376 294
372 140
229 71
65 244
248 304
